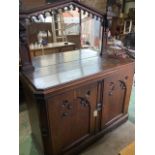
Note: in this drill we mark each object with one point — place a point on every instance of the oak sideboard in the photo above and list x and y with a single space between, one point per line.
76 97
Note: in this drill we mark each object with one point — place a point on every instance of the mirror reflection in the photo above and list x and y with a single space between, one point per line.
63 30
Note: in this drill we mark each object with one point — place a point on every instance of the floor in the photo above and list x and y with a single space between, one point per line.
113 142
110 144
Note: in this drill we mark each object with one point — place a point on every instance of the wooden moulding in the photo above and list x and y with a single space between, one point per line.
60 5
96 137
26 63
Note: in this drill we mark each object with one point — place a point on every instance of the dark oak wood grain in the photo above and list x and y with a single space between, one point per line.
80 96
73 97
60 68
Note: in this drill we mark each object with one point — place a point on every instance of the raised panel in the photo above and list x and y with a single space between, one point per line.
114 94
87 100
71 117
61 110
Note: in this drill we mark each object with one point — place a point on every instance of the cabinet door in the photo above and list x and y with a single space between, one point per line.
71 117
116 93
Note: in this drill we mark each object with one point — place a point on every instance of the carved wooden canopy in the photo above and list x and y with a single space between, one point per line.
51 9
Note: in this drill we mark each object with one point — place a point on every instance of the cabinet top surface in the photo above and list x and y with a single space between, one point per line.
61 68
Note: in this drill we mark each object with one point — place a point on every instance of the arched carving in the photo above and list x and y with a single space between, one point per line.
112 86
66 5
53 8
122 85
84 100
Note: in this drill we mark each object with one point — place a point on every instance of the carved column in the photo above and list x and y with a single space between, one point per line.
26 63
104 34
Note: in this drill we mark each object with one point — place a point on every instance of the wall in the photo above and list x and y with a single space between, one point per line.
97 4
29 4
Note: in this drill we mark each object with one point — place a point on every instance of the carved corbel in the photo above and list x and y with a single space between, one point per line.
23 47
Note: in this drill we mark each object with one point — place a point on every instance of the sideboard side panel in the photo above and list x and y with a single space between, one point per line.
33 111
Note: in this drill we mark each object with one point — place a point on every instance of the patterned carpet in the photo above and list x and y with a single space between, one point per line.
111 147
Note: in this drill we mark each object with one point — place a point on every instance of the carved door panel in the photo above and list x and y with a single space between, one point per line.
71 117
86 101
114 94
